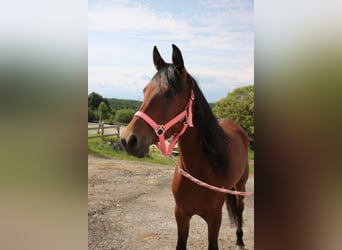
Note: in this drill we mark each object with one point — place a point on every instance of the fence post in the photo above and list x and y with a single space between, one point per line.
102 130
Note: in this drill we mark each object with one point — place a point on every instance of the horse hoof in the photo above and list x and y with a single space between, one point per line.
240 243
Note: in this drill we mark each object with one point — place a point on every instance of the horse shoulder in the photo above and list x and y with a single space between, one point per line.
232 129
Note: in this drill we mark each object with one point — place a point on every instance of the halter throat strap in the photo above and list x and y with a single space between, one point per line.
160 130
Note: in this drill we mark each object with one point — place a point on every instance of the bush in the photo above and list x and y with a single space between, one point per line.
124 115
92 115
239 107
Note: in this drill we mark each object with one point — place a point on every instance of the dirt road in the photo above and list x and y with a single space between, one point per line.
130 206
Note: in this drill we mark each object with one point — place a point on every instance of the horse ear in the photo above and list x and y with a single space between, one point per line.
157 59
177 58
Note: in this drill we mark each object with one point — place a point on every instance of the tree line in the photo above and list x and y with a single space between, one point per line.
238 106
110 110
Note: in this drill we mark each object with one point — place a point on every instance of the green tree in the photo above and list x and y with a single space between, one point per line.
238 106
94 100
117 104
124 115
92 115
104 110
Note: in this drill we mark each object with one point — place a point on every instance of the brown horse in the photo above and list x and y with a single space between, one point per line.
210 150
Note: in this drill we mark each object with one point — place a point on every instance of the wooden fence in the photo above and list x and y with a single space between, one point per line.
101 131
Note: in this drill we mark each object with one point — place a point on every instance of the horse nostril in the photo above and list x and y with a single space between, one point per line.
132 141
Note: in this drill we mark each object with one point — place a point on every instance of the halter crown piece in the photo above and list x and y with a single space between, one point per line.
160 130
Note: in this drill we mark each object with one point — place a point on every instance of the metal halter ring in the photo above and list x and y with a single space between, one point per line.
160 130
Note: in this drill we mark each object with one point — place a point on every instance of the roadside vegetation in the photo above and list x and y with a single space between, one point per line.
105 148
109 148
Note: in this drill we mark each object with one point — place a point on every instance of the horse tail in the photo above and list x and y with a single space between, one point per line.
232 209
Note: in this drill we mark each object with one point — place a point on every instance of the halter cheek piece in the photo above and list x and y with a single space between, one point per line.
160 130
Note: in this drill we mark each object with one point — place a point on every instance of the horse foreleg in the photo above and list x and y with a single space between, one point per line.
183 223
213 220
239 232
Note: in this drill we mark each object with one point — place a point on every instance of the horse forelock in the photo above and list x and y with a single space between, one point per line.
169 76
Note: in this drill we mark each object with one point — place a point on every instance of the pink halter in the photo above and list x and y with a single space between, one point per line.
161 129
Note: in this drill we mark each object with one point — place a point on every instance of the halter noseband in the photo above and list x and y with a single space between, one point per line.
161 129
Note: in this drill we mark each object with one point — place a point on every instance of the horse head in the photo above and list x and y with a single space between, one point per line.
165 108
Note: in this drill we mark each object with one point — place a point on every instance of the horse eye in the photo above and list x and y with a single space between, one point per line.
168 93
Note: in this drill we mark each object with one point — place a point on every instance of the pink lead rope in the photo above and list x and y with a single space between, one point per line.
206 185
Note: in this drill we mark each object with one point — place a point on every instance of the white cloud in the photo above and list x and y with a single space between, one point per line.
207 30
116 80
118 18
226 4
121 83
217 44
224 77
102 52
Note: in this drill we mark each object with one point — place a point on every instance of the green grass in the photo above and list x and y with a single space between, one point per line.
102 148
250 154
251 157
251 168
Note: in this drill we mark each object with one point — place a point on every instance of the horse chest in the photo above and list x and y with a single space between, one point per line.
195 199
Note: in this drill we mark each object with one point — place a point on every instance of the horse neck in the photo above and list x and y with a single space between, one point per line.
190 151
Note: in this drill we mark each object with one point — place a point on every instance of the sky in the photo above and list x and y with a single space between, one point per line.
216 39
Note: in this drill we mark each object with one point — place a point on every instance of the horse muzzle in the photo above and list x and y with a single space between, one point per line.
137 138
134 146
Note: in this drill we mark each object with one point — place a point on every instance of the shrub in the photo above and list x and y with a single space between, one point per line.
124 115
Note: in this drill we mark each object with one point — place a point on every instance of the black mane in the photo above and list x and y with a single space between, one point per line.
212 135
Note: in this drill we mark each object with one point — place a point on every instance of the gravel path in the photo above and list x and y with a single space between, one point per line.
130 206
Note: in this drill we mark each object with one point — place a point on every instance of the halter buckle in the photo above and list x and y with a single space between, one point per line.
186 119
160 130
